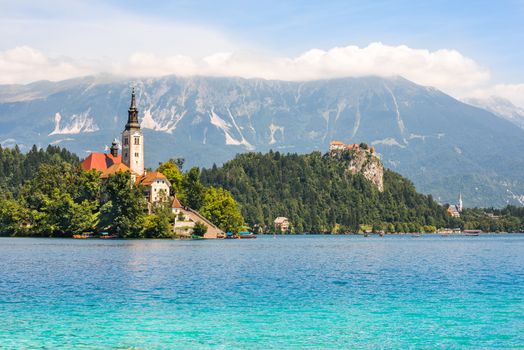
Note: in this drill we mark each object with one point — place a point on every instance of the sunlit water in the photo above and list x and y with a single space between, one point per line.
284 292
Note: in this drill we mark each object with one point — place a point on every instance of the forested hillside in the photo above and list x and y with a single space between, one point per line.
318 195
17 167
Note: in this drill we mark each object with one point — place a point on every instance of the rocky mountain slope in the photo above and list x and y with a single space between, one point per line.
500 107
443 145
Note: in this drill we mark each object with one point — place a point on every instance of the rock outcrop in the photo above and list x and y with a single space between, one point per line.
363 160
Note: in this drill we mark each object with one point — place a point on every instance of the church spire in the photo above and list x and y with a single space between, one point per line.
132 113
133 99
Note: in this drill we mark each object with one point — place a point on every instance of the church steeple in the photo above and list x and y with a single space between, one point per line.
132 113
133 140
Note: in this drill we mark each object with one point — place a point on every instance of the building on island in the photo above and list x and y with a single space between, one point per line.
156 185
102 161
133 140
186 218
281 224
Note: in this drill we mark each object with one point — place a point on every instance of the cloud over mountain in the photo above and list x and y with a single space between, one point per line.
448 70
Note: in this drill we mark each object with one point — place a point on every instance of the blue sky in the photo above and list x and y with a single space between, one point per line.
492 32
465 47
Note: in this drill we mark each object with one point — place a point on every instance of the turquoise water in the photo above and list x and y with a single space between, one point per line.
284 292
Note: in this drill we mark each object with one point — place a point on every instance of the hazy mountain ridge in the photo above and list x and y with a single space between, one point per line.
443 145
500 107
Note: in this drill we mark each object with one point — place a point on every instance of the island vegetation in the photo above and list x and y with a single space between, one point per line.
46 193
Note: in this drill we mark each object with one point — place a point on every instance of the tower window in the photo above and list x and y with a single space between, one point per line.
136 155
137 140
126 141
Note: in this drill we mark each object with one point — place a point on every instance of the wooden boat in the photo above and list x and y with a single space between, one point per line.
106 235
84 235
246 234
472 232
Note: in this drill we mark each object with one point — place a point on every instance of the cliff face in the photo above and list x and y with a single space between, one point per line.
365 162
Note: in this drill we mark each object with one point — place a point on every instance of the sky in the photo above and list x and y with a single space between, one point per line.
465 48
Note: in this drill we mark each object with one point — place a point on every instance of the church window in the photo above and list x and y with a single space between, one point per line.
126 141
136 155
137 140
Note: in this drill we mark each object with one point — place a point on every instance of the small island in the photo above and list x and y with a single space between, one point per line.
52 193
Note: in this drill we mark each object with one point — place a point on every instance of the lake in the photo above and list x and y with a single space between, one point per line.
283 292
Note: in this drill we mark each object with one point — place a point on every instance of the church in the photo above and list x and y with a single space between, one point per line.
156 185
131 159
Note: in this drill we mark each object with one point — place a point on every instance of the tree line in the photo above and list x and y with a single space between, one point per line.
318 195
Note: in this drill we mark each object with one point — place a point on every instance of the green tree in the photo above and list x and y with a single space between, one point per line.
123 210
172 172
221 208
193 189
199 229
160 223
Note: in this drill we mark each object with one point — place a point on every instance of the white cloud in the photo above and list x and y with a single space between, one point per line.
512 92
24 64
447 70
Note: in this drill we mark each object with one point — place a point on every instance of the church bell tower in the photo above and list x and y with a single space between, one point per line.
133 140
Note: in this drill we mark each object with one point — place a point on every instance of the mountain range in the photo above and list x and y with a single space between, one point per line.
445 146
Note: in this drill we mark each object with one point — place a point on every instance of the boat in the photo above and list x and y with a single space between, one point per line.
246 234
472 232
416 235
84 235
106 235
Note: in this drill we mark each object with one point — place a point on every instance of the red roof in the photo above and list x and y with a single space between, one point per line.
149 178
100 161
113 169
176 204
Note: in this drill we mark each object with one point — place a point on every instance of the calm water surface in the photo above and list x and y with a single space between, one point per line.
284 292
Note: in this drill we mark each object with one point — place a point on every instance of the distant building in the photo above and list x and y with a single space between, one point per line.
281 224
338 146
454 210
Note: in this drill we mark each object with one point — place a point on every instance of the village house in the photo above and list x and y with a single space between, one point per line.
281 224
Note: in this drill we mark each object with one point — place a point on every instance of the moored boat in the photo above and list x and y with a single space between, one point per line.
106 235
84 235
246 234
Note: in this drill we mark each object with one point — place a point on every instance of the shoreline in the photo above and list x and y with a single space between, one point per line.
415 235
